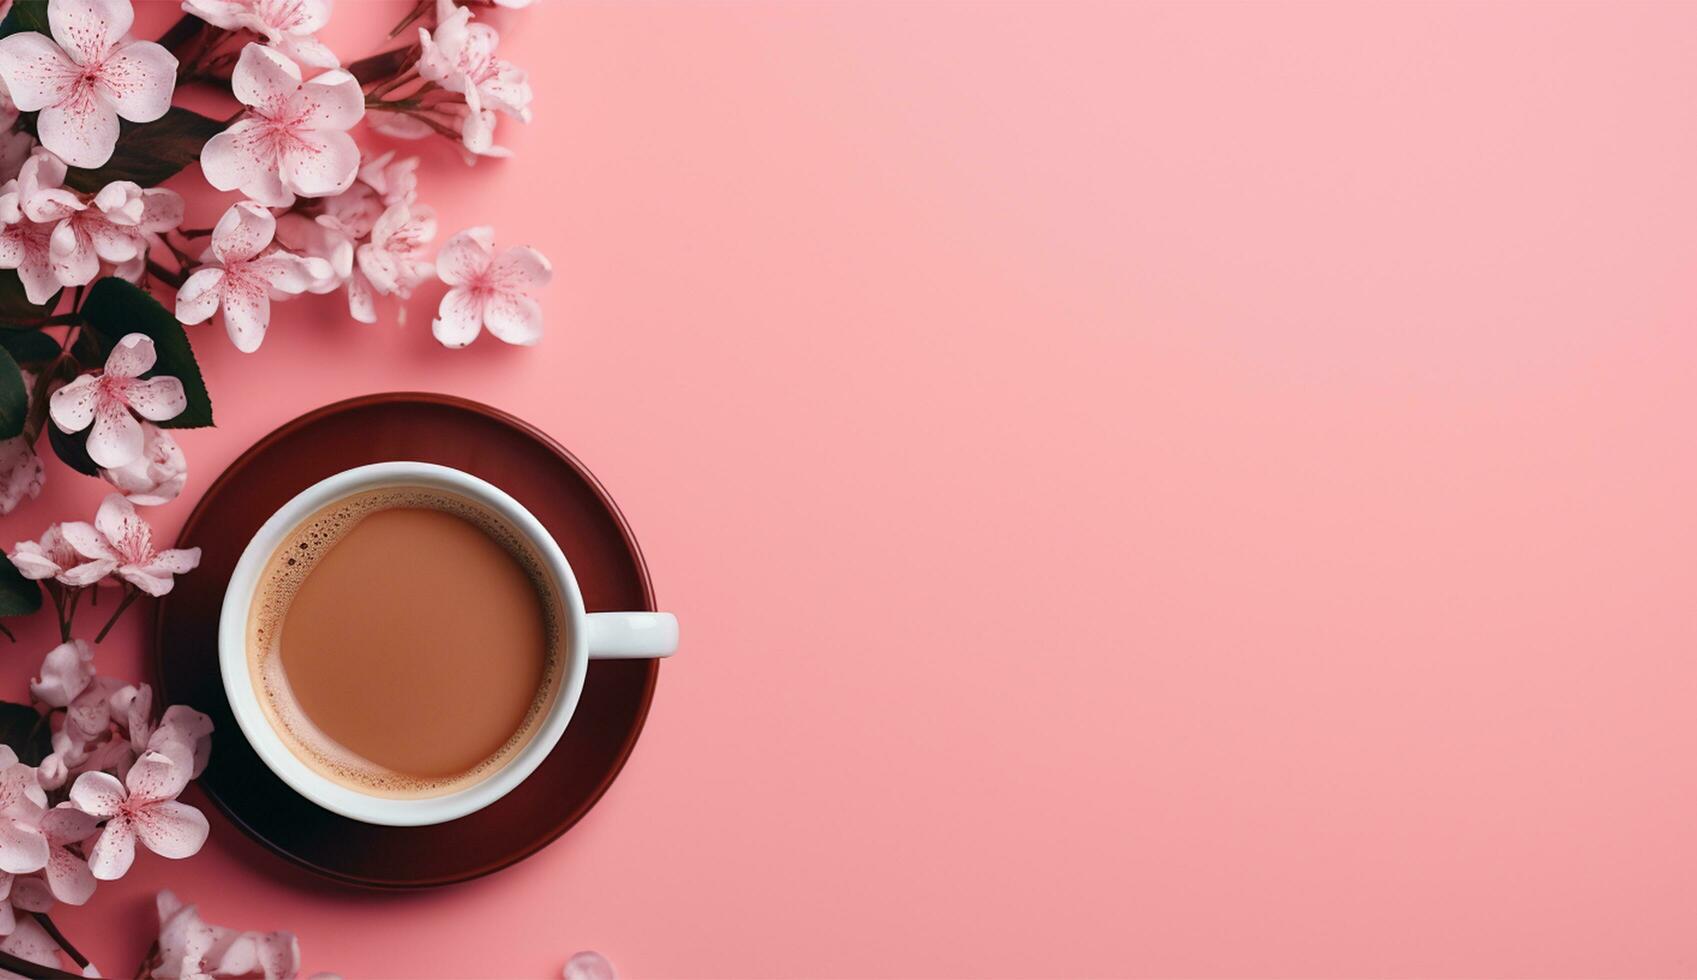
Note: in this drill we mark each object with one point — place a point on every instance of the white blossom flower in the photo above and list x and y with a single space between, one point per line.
486 290
157 475
85 77
121 536
53 557
243 274
460 57
293 139
290 26
142 808
108 398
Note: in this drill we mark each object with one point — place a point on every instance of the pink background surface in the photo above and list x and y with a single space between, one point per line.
1148 489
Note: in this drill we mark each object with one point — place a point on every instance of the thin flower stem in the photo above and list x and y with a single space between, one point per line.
175 279
7 633
24 968
129 597
71 612
53 593
418 10
59 937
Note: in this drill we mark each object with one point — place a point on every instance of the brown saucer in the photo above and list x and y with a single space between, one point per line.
540 475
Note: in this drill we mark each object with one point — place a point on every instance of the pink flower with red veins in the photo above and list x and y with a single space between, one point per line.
53 557
26 245
68 876
22 847
21 474
85 77
396 181
293 139
121 536
460 57
104 229
393 261
243 273
107 399
487 290
188 946
157 475
289 26
183 731
142 808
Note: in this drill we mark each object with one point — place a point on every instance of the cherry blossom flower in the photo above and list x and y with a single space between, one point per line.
157 475
142 808
65 673
395 181
190 947
290 26
86 77
486 290
108 399
120 535
460 57
293 138
53 557
68 876
26 246
88 233
22 847
29 941
242 276
393 261
183 730
21 473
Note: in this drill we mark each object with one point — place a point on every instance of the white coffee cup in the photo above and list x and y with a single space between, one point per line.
590 636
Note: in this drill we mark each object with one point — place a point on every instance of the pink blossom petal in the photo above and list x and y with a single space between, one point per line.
157 399
116 437
362 305
176 561
66 824
132 356
33 894
286 273
247 311
171 829
319 163
156 777
87 29
22 848
161 210
82 132
458 319
332 101
75 262
115 849
238 158
188 726
198 299
72 407
69 877
36 71
466 255
117 521
86 574
52 204
86 541
138 79
98 794
243 232
522 268
65 672
29 941
588 965
514 318
262 75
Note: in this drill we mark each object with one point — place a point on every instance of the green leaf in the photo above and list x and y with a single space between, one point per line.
15 306
26 15
149 153
27 731
29 346
72 450
14 397
18 595
115 308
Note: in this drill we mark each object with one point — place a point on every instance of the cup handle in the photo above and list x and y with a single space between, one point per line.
631 635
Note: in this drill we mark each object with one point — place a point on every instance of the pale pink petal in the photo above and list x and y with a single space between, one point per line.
243 232
155 777
52 204
75 262
157 399
116 437
286 273
522 268
115 243
87 541
146 578
458 319
87 573
22 848
171 829
36 71
29 941
161 210
466 255
588 965
87 29
176 561
247 311
333 100
67 824
72 407
31 894
117 521
362 305
263 76
98 794
514 318
198 299
115 849
69 877
32 562
65 672
319 163
188 726
240 157
138 80
82 132
132 356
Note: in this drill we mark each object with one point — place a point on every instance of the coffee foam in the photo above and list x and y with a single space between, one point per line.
288 567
